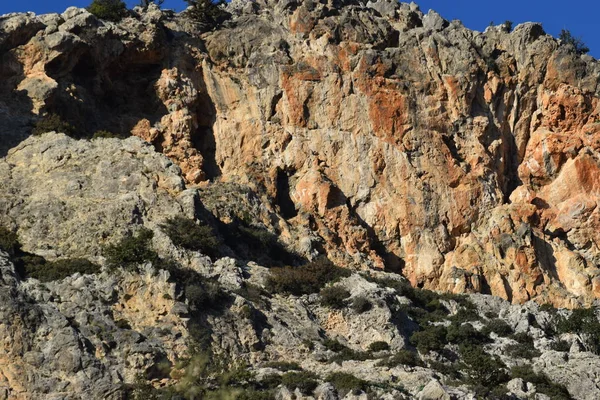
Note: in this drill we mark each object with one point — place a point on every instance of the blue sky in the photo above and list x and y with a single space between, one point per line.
578 16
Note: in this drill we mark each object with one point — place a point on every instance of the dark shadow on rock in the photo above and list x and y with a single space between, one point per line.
15 106
545 255
203 139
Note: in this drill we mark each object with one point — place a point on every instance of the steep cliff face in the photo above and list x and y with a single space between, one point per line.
389 140
381 136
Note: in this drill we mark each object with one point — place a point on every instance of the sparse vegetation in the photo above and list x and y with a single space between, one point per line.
430 338
379 346
48 271
190 235
577 43
306 382
585 324
131 251
309 278
560 345
508 26
345 383
52 122
334 297
541 382
361 304
208 12
344 353
402 357
109 10
497 326
284 366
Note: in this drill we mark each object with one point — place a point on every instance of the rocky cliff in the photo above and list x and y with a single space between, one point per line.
381 136
386 139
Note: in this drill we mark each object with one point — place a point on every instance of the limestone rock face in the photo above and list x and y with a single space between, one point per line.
381 136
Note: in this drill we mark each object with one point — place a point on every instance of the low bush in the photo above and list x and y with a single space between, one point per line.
334 297
465 334
131 251
498 326
430 338
522 350
361 304
402 357
48 271
379 346
284 366
52 122
306 382
344 353
309 278
560 345
345 383
9 241
483 369
109 10
522 337
204 294
542 383
190 235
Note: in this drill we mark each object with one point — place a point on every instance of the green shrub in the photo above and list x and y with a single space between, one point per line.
379 346
309 278
498 326
110 10
568 39
522 350
48 271
334 297
560 345
205 294
190 235
131 251
361 304
52 122
208 12
284 366
402 357
306 382
583 322
522 337
9 241
465 334
541 382
483 369
345 383
508 26
344 353
430 338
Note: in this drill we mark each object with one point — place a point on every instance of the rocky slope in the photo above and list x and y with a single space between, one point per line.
389 140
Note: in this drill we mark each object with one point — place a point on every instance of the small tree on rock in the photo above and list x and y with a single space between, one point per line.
109 10
208 12
567 38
